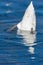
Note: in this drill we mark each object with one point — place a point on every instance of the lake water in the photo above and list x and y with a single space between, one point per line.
16 47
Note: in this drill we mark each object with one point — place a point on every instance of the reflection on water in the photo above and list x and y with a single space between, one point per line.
9 11
8 4
28 39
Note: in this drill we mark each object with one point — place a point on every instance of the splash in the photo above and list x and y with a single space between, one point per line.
29 19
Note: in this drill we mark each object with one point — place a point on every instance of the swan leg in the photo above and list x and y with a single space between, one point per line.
32 32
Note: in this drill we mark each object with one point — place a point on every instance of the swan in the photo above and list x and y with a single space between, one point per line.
29 19
28 22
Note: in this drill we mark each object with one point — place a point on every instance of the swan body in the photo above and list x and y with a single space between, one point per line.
29 19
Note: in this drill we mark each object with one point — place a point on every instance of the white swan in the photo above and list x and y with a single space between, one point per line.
28 22
29 19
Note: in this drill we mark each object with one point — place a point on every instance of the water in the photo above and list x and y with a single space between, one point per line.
16 47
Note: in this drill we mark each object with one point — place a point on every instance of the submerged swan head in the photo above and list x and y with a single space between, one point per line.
29 19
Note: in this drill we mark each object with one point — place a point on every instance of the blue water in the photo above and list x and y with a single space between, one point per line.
14 49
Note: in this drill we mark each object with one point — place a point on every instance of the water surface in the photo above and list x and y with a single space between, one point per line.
16 47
